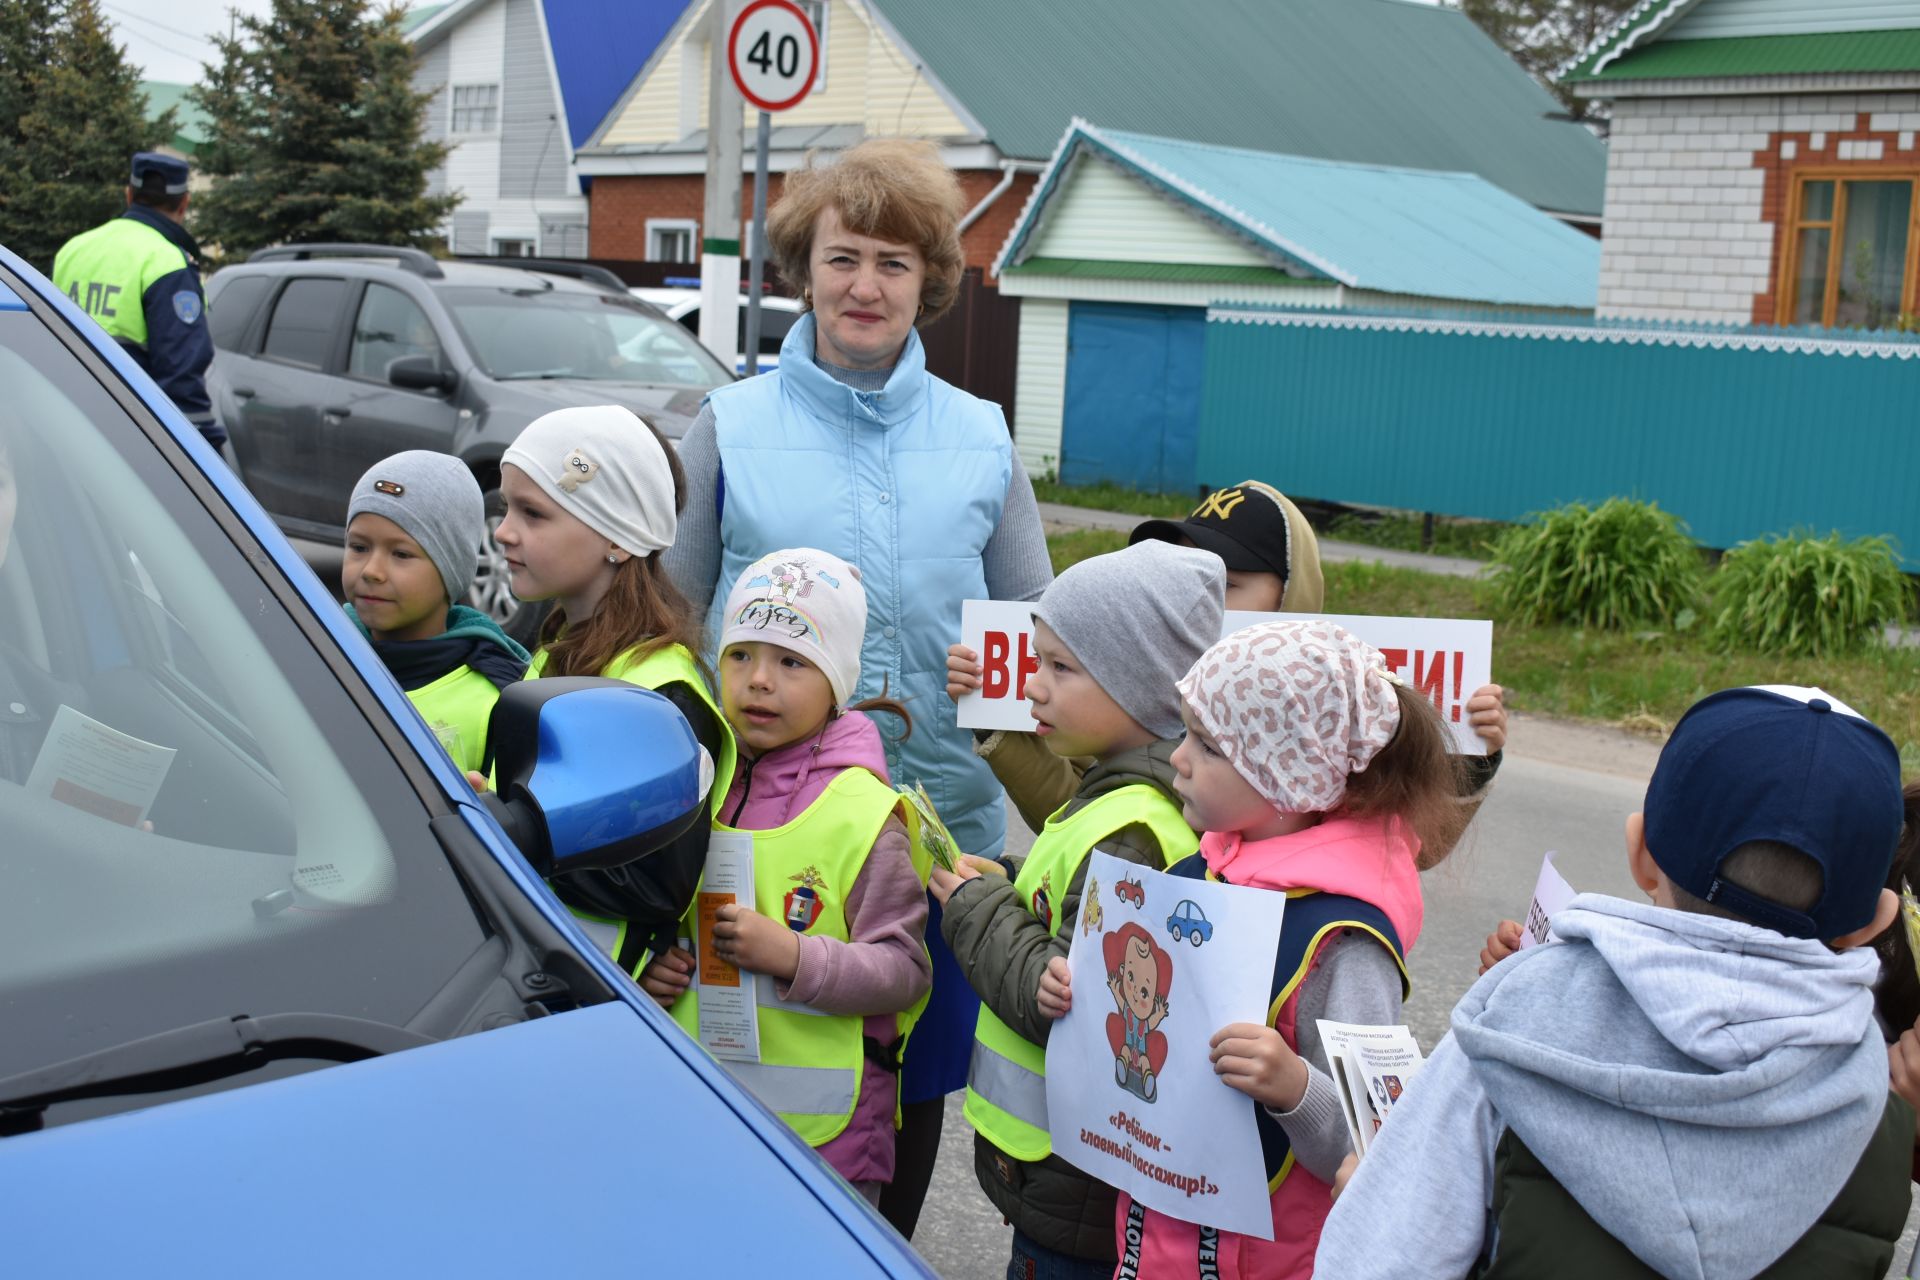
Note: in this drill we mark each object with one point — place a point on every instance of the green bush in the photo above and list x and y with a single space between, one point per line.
1808 597
1621 565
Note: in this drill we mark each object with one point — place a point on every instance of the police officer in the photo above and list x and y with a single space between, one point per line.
136 276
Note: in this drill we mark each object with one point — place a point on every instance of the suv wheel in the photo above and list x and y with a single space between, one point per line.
492 592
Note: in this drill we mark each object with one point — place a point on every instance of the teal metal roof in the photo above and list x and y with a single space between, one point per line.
1815 54
1371 81
1406 231
190 122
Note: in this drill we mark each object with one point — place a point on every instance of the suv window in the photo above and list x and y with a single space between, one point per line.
147 675
552 333
239 298
390 325
304 320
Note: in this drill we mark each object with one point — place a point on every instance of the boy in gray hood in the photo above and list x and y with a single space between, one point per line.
1694 1089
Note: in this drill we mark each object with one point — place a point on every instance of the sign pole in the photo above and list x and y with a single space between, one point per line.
720 222
756 268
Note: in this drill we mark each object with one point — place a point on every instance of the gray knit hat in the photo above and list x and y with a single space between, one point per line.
437 501
1137 619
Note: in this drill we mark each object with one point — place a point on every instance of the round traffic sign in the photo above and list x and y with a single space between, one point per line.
774 53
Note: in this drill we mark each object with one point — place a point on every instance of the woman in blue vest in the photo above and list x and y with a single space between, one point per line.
853 447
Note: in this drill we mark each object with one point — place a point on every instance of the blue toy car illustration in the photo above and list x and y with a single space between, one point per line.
1190 922
277 984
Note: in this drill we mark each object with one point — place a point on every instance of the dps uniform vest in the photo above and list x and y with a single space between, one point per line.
666 665
106 271
1536 1228
811 1061
1153 1244
458 707
1007 1077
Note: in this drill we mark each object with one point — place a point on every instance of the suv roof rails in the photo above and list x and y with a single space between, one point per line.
418 261
582 271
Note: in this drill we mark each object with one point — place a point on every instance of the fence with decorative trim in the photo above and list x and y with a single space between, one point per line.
1741 432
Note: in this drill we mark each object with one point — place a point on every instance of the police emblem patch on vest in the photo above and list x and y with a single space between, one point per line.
186 305
1043 901
802 905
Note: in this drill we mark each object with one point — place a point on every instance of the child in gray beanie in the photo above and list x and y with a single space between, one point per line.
415 523
1113 633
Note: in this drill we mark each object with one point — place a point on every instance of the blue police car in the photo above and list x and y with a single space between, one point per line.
277 991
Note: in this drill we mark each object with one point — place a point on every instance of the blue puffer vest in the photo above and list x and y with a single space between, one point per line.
907 483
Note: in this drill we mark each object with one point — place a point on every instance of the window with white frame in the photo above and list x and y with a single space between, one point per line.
671 239
816 11
512 247
476 108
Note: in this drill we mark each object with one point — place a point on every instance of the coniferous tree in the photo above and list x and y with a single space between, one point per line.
72 114
315 132
1543 34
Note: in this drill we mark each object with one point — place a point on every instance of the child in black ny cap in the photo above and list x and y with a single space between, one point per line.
1692 1088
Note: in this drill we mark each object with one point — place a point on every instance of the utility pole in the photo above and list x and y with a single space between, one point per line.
720 228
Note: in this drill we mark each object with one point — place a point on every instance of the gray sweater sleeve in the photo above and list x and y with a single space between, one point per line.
693 561
1355 981
1417 1204
1015 557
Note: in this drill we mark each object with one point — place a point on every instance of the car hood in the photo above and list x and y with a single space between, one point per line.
555 1146
670 409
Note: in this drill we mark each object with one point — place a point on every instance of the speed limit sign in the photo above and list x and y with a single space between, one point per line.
774 53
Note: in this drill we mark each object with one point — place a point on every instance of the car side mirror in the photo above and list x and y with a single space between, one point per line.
420 373
593 773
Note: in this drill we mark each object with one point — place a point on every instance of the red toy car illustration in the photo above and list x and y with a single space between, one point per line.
1131 891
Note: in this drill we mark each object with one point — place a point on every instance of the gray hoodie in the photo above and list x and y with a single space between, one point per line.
1703 1088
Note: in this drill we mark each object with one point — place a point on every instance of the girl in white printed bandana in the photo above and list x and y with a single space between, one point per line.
1315 773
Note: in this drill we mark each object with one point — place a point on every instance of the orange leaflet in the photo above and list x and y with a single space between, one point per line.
714 972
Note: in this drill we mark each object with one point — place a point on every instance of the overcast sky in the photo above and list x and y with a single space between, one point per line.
168 38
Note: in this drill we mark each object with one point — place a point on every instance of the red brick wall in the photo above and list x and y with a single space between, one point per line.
1768 307
619 209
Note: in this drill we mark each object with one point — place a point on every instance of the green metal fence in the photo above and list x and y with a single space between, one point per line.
1739 432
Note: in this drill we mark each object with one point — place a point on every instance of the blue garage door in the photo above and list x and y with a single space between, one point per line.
1132 412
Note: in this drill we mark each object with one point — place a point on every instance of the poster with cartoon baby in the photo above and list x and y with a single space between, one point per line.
1132 1097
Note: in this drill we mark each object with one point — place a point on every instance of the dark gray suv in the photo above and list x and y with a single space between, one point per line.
331 357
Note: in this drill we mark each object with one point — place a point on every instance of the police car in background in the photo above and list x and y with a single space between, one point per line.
277 991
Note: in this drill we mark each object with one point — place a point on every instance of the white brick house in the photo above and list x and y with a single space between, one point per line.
1762 165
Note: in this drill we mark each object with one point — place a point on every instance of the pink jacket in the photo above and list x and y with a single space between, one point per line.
883 968
1372 860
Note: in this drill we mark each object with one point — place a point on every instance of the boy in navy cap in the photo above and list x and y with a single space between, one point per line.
137 276
1695 1088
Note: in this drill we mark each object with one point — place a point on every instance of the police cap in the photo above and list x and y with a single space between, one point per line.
159 175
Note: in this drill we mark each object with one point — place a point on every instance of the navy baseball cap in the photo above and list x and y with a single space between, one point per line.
1246 526
158 175
1784 763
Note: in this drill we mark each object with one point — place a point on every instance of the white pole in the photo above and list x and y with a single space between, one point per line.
720 229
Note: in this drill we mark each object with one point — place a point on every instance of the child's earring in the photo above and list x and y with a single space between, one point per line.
612 558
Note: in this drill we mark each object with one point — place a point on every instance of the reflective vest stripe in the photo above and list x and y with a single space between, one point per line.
764 994
799 1091
1000 1104
1019 1092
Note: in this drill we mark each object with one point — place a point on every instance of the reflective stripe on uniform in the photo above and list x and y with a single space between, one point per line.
764 994
1009 1086
798 1091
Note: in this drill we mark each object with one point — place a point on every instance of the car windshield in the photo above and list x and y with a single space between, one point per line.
198 820
542 332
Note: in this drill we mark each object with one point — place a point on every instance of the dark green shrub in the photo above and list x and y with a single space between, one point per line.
1621 565
1804 596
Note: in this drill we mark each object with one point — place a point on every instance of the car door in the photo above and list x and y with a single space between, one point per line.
384 419
289 401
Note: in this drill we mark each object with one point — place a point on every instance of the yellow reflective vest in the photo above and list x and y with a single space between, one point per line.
458 708
811 1062
665 665
1007 1077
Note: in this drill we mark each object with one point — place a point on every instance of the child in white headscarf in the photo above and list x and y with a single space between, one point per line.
1315 773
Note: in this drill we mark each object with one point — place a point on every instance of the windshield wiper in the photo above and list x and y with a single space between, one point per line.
198 1053
534 374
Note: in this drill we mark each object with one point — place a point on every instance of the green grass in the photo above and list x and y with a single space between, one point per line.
1642 680
1464 539
1113 497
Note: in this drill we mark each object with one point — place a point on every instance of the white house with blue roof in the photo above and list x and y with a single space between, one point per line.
1128 238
